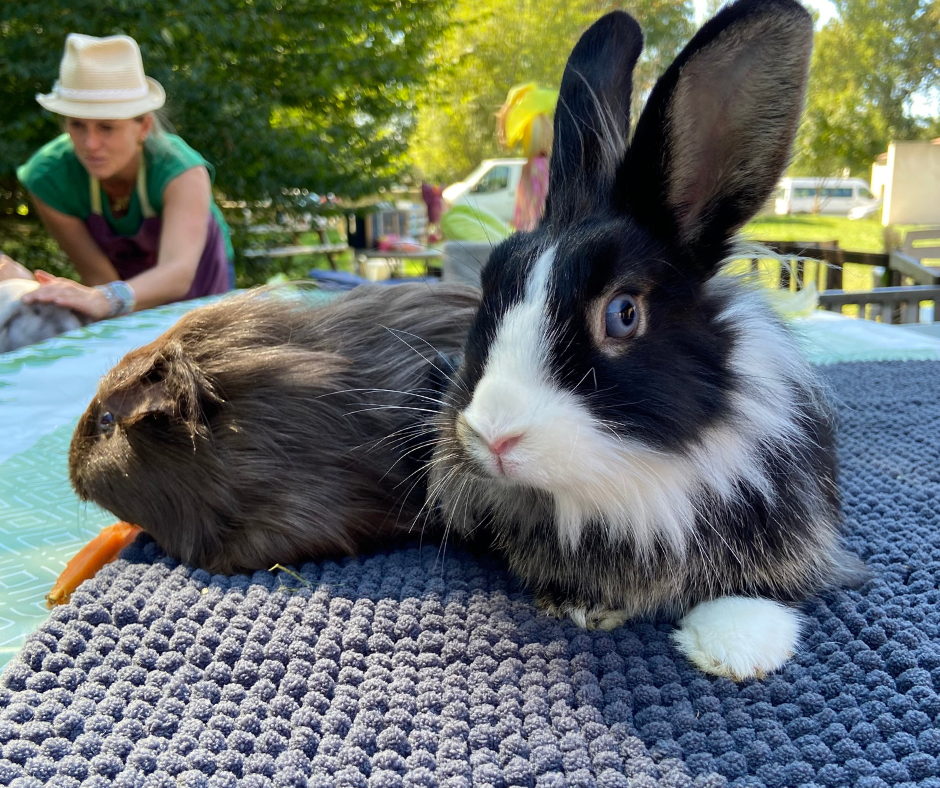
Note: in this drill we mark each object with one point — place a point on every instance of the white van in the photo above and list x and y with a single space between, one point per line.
491 186
823 195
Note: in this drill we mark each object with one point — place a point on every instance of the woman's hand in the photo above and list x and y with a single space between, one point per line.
72 295
10 269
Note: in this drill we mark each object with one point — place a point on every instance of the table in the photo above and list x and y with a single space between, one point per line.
396 259
325 247
419 667
45 388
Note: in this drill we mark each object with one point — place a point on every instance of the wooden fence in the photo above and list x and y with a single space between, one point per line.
903 281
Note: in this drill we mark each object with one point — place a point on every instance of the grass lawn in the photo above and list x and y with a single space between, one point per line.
862 235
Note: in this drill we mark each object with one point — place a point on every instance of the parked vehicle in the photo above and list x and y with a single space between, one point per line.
491 186
823 195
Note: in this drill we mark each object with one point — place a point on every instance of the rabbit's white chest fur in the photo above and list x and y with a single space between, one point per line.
597 473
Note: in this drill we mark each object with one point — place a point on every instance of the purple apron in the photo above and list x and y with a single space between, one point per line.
132 255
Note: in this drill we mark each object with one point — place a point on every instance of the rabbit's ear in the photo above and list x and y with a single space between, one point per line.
717 130
592 119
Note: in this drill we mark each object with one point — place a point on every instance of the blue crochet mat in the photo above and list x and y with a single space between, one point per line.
417 669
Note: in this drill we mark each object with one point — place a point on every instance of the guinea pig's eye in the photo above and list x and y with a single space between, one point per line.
106 422
621 316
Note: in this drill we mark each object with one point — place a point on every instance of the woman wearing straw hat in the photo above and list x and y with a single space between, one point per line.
129 204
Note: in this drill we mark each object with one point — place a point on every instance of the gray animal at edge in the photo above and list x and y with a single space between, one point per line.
26 324
265 429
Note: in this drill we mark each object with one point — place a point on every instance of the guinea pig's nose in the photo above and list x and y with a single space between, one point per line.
106 422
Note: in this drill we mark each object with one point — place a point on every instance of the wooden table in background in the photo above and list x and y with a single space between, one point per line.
396 259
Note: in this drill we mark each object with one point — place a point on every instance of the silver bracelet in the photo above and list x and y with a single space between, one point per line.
120 297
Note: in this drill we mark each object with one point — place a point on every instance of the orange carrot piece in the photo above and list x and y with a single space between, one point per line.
101 550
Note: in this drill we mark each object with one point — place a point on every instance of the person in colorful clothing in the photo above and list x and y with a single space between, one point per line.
131 205
526 118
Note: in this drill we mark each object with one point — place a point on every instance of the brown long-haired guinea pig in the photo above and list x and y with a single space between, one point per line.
267 429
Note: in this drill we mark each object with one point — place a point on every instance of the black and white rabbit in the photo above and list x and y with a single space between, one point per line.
637 430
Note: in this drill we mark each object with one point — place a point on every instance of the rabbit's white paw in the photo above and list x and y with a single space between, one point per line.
597 617
739 637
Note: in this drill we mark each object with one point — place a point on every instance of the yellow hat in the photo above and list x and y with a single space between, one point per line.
102 79
526 118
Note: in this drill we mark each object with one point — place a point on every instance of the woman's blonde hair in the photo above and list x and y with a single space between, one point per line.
161 125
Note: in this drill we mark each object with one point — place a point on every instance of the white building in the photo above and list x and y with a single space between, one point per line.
907 178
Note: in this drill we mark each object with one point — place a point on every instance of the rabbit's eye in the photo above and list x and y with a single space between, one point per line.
621 316
106 422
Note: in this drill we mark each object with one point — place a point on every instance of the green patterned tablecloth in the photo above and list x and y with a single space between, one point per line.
42 525
43 391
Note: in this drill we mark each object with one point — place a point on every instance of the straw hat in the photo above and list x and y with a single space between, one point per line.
102 79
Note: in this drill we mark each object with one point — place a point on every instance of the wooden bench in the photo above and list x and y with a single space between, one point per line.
923 244
325 247
892 299
907 263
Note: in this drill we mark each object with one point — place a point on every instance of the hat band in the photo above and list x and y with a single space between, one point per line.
123 94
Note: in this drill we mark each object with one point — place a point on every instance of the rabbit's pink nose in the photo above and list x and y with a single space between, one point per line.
501 445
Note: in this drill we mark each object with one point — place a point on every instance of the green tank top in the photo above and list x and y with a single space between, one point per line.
56 176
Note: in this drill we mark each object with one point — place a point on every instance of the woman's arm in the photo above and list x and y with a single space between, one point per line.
185 225
74 239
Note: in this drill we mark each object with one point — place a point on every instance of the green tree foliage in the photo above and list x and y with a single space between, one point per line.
867 65
275 93
492 45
